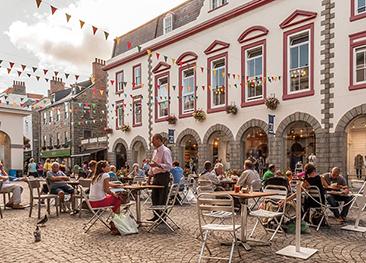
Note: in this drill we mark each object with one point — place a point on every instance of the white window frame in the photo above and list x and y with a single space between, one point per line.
67 109
135 76
214 4
58 115
120 84
120 114
135 103
357 7
188 94
213 106
163 98
299 68
247 98
168 27
362 49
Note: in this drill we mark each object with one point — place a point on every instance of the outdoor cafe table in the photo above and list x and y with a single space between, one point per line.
138 188
244 197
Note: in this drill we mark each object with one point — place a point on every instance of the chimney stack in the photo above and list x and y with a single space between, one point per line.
56 85
98 73
19 88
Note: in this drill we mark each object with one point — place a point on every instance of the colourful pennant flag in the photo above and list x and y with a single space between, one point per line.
94 30
82 23
19 73
77 77
106 34
68 17
118 40
56 73
34 69
38 2
157 55
23 67
1 61
37 78
139 48
11 64
45 71
101 92
165 59
9 70
67 75
202 69
53 10
129 45
29 75
112 82
46 79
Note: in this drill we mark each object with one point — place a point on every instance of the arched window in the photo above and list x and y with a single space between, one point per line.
168 23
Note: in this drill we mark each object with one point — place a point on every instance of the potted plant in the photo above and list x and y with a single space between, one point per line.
125 128
44 148
58 146
232 109
172 119
108 130
199 115
272 103
50 147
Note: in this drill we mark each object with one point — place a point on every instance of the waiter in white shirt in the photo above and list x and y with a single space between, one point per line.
160 167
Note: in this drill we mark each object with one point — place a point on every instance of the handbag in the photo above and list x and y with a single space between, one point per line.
125 224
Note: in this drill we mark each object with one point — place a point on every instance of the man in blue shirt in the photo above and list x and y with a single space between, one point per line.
177 172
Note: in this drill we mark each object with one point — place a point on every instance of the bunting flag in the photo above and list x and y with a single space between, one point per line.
118 40
9 70
19 73
23 67
46 79
106 34
37 78
1 61
34 69
157 55
173 87
101 92
82 23
53 10
165 59
112 82
67 75
11 64
94 30
77 77
202 69
45 71
68 17
129 45
56 73
38 2
139 48
29 75
173 61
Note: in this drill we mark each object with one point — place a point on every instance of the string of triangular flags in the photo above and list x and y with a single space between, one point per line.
31 71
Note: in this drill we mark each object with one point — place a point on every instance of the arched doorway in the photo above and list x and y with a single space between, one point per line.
138 152
5 150
121 155
254 145
188 153
299 143
218 148
356 145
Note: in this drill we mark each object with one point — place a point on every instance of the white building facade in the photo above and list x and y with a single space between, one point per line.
212 55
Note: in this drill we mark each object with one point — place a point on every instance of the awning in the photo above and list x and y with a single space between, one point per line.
88 152
55 153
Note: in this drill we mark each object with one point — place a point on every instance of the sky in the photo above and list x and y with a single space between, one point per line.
37 38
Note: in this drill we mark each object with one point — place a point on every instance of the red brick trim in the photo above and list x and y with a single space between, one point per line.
244 103
136 99
157 77
292 19
209 60
286 34
134 86
260 31
216 46
160 67
355 17
354 44
245 8
186 57
180 87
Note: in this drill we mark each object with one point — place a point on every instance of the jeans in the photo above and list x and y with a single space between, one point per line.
334 200
16 190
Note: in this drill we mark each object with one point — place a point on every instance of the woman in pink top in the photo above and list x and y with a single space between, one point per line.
100 189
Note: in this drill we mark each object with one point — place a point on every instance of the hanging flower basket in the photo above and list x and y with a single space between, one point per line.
125 128
199 115
108 130
272 103
232 109
172 119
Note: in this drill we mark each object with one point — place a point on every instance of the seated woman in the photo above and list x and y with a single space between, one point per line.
100 189
16 190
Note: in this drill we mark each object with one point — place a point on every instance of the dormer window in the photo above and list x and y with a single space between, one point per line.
217 3
168 23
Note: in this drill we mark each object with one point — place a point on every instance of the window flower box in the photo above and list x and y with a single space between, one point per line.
199 115
172 119
272 103
125 128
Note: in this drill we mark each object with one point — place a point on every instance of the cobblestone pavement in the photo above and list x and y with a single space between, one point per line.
63 240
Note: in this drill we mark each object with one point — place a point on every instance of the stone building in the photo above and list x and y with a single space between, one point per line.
72 125
222 56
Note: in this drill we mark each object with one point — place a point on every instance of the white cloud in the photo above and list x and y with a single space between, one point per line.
66 47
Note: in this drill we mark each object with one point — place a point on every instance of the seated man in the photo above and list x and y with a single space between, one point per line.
250 178
336 182
177 173
16 190
208 175
219 171
58 183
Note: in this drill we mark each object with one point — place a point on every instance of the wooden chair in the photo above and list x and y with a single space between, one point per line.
36 184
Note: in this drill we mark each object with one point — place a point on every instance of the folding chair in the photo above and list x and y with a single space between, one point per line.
183 190
314 193
358 186
165 210
97 213
85 184
262 215
210 203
